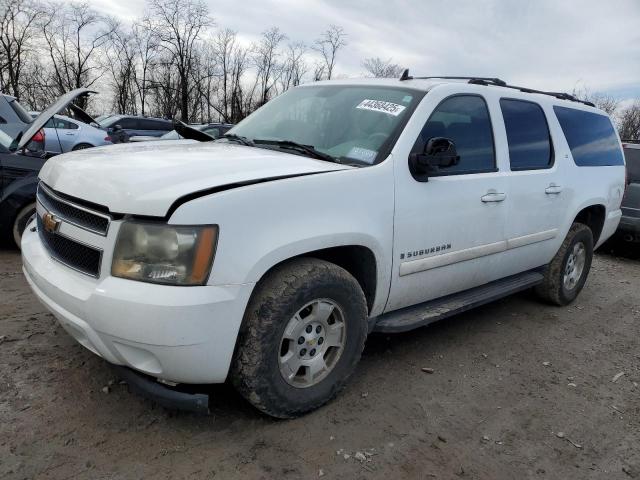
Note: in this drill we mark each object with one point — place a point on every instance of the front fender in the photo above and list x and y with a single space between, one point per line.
264 224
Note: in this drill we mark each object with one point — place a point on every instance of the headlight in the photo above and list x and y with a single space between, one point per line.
160 253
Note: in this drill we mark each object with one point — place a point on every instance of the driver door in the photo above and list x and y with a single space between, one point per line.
449 230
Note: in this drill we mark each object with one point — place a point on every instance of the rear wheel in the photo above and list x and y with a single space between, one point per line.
302 336
567 273
20 222
82 146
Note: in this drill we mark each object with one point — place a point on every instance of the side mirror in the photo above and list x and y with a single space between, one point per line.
439 152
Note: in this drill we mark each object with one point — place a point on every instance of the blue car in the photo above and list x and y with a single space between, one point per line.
122 127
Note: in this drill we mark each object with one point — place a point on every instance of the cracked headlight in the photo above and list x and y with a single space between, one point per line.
161 253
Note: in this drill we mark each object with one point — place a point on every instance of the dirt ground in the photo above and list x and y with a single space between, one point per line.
507 379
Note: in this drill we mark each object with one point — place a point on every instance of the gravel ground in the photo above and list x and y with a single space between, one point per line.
518 390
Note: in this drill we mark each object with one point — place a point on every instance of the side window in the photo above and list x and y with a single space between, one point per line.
465 120
527 135
65 124
147 124
591 137
127 123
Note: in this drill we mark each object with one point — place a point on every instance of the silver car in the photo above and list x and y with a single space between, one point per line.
64 134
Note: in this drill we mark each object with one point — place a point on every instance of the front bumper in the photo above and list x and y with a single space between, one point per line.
179 334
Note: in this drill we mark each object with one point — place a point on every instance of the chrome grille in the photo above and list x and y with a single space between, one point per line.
75 255
73 213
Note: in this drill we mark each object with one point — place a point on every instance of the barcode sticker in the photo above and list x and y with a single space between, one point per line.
381 106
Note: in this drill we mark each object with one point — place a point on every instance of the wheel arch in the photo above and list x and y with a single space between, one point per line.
359 260
593 216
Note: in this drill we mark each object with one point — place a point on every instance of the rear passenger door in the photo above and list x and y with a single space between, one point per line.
449 229
538 195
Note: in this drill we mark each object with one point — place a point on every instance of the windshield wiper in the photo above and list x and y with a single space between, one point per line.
239 139
309 150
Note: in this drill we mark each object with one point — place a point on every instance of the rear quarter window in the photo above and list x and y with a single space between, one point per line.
591 137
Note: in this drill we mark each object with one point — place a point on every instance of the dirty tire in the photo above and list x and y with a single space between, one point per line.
20 222
552 289
255 370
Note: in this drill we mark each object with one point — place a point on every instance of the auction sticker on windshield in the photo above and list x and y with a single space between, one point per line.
381 106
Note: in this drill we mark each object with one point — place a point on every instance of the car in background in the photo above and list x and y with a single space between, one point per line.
19 168
14 119
629 228
64 134
122 127
215 130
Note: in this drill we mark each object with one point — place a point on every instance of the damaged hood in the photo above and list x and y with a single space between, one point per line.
147 178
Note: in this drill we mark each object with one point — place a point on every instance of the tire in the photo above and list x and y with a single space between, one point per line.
81 146
20 222
554 288
294 296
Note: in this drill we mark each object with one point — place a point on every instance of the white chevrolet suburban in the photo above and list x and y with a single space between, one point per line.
337 209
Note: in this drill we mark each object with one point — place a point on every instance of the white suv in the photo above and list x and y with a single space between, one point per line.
337 209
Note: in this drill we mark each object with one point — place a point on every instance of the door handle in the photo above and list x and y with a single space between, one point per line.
553 189
493 197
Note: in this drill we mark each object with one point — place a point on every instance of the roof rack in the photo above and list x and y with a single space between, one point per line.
498 83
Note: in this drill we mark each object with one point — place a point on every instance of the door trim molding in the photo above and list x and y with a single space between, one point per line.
428 263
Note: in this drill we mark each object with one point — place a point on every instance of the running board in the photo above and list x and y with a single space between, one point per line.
425 313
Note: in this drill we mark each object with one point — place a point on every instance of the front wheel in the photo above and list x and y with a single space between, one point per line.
20 222
302 337
567 273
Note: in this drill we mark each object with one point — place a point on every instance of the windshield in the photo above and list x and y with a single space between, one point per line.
351 123
106 121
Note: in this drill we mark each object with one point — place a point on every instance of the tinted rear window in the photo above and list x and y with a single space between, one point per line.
632 158
527 134
591 137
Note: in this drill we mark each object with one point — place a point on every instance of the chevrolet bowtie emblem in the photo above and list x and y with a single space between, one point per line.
50 222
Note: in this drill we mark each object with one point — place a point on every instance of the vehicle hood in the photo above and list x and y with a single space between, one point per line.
147 178
60 104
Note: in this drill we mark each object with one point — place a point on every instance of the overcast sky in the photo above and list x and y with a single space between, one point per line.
545 44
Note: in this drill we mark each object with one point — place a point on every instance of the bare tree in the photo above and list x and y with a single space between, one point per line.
382 68
146 46
629 122
178 25
123 69
75 35
19 24
294 67
601 100
328 46
265 57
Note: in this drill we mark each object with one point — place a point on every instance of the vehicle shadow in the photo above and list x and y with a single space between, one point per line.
620 249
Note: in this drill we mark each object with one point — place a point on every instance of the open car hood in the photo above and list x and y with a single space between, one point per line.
60 104
190 133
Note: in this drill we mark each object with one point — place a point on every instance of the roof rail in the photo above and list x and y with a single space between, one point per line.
498 83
